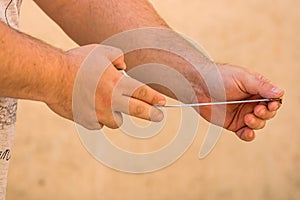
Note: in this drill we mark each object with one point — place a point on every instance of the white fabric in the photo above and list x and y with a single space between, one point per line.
9 14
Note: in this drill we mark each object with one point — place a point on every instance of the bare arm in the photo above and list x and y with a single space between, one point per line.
29 68
94 21
100 19
33 70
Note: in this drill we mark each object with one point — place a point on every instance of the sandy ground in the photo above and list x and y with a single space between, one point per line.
49 161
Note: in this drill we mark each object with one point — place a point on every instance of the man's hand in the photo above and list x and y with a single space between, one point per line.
115 93
37 71
240 83
244 119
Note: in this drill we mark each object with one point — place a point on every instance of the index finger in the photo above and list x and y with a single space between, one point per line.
148 95
138 90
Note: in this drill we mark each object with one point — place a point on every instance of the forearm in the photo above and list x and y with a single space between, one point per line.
29 69
94 21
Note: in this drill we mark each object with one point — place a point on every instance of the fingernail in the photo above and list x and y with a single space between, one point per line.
250 136
156 115
276 90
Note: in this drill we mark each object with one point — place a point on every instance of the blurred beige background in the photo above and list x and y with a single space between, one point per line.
49 161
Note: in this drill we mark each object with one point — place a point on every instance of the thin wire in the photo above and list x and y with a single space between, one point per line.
221 103
213 103
124 73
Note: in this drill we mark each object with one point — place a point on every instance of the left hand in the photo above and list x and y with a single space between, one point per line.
114 93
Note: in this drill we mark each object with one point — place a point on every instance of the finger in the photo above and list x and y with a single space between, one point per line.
137 90
246 134
116 56
148 95
93 126
113 121
263 113
137 108
274 106
258 84
119 63
254 122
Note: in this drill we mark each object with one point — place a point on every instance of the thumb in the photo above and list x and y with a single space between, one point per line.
259 85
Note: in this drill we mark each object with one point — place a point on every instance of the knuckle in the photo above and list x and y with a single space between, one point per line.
138 111
263 81
260 77
156 99
142 93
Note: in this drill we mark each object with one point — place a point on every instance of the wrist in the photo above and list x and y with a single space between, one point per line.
62 80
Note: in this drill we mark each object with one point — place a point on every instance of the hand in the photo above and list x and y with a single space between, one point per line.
244 119
114 94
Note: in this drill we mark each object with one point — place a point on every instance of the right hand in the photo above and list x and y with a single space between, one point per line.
115 93
242 84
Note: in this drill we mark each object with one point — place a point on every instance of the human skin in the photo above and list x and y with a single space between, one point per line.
36 71
103 19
